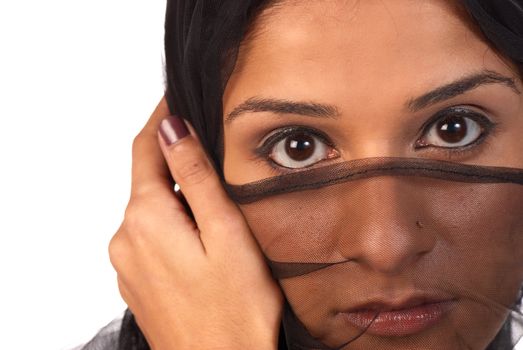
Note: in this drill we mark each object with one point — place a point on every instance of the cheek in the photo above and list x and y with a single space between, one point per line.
483 228
483 235
298 227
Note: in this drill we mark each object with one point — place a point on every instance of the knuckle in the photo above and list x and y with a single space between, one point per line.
138 142
132 214
148 191
195 171
135 221
142 191
117 251
141 224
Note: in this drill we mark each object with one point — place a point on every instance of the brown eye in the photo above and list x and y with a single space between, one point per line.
452 131
300 147
300 150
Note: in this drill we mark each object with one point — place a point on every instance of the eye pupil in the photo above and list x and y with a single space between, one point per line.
452 129
300 147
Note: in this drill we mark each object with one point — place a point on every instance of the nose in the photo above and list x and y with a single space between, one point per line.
387 227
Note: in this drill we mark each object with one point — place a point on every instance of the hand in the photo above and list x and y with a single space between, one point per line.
191 284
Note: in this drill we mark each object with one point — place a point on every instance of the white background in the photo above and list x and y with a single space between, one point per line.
78 79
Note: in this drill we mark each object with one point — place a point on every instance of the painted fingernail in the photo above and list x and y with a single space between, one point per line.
173 129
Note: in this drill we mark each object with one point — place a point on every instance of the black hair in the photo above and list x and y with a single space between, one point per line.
202 38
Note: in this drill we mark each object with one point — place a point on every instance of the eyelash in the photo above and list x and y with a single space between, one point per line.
265 149
489 129
263 152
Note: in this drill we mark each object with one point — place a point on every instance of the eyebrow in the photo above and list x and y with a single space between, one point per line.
460 87
319 110
309 109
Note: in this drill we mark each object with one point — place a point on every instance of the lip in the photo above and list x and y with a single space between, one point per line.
398 318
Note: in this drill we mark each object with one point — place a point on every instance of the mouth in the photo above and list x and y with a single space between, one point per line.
399 318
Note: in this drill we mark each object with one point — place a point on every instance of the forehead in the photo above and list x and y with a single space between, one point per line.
356 50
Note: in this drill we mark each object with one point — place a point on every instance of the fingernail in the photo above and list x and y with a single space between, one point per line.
173 129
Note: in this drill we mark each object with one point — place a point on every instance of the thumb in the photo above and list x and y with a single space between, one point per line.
193 171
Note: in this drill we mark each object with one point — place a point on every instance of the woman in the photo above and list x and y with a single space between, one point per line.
352 168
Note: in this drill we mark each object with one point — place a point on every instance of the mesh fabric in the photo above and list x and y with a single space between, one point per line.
325 229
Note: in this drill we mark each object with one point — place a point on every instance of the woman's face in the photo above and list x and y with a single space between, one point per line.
409 78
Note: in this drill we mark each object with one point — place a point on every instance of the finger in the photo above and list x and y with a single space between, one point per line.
149 171
185 204
196 176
